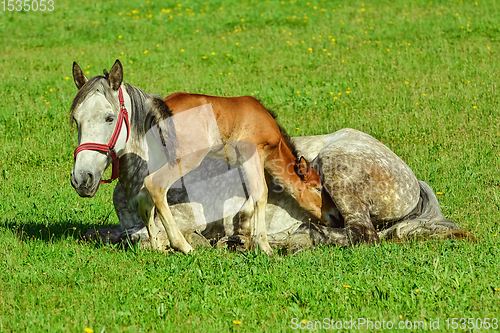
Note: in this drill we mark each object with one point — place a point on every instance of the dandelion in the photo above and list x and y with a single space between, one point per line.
298 92
145 51
488 47
348 92
87 72
88 330
120 36
182 50
335 97
388 50
157 45
228 54
204 57
50 89
229 73
340 94
416 290
67 77
304 320
310 49
251 47
236 322
298 129
406 82
220 73
346 286
307 92
474 107
331 92
439 193
47 102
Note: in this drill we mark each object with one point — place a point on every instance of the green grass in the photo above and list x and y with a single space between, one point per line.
389 56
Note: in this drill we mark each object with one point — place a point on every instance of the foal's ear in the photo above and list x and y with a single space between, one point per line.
116 75
303 169
78 76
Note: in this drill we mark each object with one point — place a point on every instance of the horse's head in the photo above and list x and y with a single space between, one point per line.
311 186
96 111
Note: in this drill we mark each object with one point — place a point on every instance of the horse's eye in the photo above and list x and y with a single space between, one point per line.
109 119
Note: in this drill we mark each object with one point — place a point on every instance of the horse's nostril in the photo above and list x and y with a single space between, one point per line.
90 178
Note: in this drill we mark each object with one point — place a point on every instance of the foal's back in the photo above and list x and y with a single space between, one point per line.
238 118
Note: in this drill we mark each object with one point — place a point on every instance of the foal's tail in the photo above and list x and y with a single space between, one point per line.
430 221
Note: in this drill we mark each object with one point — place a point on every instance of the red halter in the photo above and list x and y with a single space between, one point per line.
110 147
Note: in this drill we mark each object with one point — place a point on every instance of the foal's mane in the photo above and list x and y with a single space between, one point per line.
285 136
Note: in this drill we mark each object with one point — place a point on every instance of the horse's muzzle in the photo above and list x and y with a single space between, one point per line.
85 183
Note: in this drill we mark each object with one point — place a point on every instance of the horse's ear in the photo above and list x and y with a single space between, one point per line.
303 169
78 76
116 75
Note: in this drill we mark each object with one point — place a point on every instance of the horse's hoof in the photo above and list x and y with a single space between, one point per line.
298 243
235 242
197 240
362 234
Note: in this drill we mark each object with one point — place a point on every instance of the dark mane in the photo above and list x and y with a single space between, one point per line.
284 135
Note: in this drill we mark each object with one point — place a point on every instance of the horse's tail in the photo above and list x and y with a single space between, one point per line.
430 221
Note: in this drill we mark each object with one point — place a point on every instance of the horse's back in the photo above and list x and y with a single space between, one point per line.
355 162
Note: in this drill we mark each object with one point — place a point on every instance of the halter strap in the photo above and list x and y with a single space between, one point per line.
110 147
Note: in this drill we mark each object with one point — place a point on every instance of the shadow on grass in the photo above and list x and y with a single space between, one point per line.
61 230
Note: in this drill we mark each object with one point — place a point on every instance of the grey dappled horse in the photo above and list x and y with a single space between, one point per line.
369 192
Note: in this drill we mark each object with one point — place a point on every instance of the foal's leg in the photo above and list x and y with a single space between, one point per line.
254 170
159 196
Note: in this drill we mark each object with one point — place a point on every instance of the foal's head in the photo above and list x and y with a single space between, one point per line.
95 111
309 188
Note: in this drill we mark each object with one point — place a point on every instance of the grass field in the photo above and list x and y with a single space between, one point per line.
421 76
